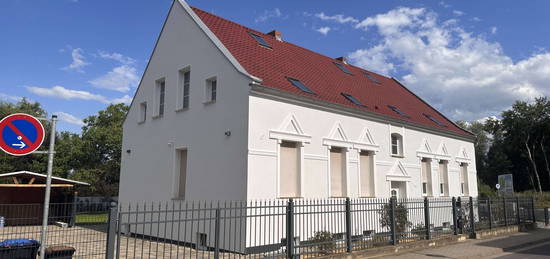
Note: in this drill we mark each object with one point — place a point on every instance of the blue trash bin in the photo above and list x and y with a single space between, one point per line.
19 249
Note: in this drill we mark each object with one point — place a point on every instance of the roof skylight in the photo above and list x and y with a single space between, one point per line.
260 40
435 120
372 78
343 68
300 85
353 99
398 111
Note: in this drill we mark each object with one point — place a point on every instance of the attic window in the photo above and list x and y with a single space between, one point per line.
300 85
260 40
353 99
343 68
398 111
372 79
435 120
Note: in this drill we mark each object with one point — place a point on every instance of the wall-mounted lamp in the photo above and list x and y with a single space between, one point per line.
227 133
128 151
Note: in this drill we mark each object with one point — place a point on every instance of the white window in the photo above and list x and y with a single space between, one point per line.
396 144
464 188
289 168
159 96
211 89
444 178
184 83
366 163
181 172
142 112
426 169
337 172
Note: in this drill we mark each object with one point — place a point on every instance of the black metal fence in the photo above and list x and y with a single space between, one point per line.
81 226
255 229
302 227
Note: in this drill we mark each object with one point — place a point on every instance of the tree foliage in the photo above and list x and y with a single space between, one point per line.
92 156
516 144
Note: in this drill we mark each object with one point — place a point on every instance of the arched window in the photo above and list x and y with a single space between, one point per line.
396 144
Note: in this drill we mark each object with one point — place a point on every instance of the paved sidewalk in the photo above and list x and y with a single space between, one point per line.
480 248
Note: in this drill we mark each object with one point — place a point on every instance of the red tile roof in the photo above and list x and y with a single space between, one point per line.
320 74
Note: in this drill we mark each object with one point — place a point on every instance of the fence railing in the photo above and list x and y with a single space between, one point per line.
303 227
82 226
249 229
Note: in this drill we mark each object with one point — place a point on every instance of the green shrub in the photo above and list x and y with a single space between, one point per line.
402 222
324 240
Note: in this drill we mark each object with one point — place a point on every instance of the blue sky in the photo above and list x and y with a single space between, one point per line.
470 59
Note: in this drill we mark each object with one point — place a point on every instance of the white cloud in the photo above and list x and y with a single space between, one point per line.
458 12
476 19
444 4
493 30
460 73
78 61
61 92
69 118
124 99
117 57
9 98
339 18
323 30
120 78
268 14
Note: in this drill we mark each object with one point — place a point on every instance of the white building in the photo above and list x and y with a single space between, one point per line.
224 112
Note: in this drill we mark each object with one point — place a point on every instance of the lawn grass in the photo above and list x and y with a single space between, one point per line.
92 218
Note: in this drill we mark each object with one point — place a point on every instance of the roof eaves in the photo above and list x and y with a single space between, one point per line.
263 90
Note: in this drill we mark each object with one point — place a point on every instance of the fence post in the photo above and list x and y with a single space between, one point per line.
472 217
546 217
490 213
533 209
73 211
111 231
505 212
290 229
455 223
348 226
217 234
427 218
393 200
517 211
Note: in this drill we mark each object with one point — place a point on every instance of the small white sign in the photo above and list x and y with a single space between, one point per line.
498 186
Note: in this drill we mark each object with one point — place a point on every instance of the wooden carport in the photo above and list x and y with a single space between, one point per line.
22 196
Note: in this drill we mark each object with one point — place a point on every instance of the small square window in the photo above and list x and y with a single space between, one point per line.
432 118
300 85
343 68
372 78
398 111
211 90
353 99
260 40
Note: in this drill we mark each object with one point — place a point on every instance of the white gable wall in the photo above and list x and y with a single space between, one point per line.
216 163
320 128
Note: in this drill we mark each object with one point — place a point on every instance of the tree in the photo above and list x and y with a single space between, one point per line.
99 150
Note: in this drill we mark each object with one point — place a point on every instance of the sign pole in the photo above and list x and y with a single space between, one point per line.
51 151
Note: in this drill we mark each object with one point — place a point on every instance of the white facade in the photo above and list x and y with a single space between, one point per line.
233 144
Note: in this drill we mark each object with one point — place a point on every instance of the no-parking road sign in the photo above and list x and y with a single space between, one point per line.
20 134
